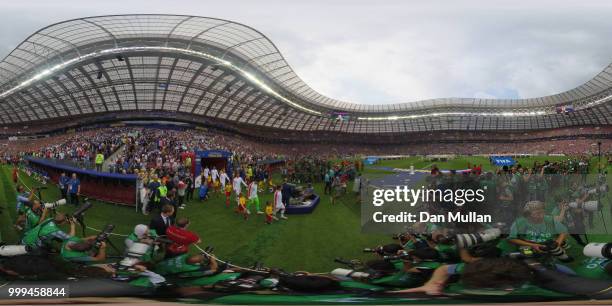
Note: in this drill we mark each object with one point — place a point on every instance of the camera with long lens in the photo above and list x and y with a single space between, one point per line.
553 248
14 250
79 212
468 240
597 249
56 204
402 256
586 206
389 249
104 234
601 188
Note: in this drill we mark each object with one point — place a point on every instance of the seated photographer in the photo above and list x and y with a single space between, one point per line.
573 218
83 250
29 217
493 273
485 252
23 197
415 267
188 265
142 234
41 235
536 230
181 238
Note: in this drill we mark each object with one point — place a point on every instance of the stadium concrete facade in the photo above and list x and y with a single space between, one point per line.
207 69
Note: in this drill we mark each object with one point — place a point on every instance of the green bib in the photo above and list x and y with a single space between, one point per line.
37 235
594 268
70 254
163 191
176 265
31 218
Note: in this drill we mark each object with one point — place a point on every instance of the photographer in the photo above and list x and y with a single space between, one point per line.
31 217
42 234
195 265
480 267
142 234
415 267
23 197
83 250
536 229
573 218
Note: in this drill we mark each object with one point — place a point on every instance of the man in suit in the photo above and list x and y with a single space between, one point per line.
162 221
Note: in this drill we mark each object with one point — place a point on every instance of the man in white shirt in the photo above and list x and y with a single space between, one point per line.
253 197
237 186
278 203
214 173
224 179
198 182
206 173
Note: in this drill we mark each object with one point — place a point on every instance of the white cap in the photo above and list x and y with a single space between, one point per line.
140 230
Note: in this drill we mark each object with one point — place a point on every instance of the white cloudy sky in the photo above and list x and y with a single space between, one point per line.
391 51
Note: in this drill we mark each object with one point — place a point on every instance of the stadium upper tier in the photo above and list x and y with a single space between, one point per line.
219 69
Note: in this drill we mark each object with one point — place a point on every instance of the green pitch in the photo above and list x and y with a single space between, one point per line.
304 242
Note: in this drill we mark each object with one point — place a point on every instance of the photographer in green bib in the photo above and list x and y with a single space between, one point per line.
142 234
540 232
186 265
31 215
480 267
83 250
411 268
44 233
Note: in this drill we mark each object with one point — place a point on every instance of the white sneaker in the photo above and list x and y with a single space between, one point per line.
260 212
283 217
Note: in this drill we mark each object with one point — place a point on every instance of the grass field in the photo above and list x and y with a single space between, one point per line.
304 242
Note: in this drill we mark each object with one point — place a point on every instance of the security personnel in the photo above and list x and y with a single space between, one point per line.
162 193
40 235
99 161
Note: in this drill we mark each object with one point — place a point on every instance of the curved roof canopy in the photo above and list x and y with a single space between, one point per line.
221 69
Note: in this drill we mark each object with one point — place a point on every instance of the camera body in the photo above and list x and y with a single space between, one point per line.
103 235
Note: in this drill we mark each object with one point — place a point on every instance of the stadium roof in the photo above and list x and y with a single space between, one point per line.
222 69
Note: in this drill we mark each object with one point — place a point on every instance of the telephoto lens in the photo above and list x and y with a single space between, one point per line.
13 250
586 206
598 249
56 204
468 240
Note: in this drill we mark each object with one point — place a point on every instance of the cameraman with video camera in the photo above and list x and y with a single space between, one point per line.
41 235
